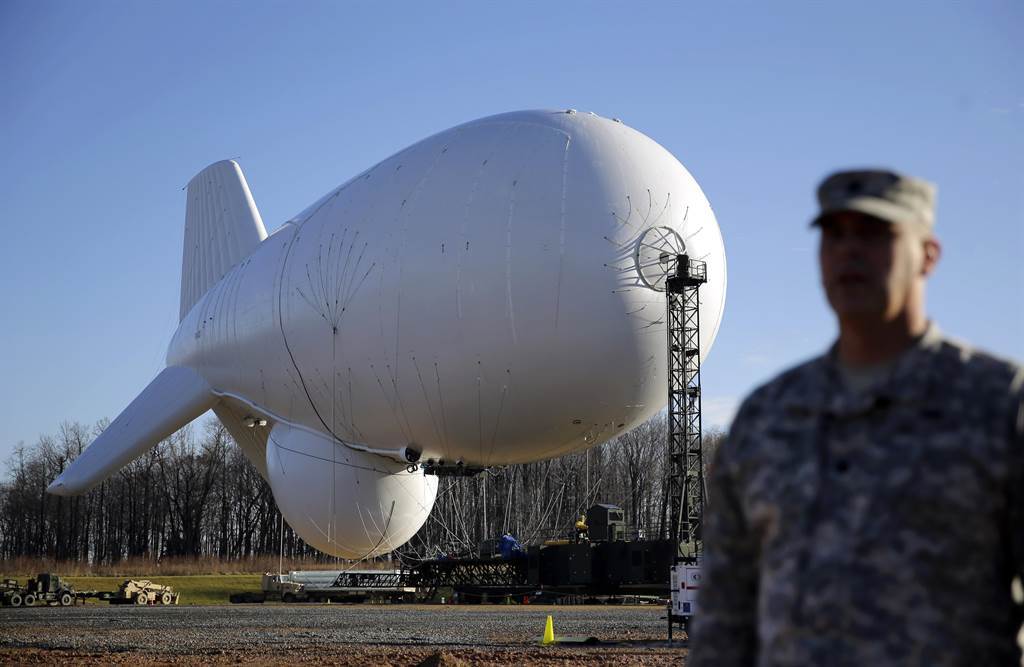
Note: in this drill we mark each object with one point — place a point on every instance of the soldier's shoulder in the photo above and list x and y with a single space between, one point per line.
767 407
802 379
978 368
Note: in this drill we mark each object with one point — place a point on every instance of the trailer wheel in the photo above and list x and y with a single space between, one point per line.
30 600
141 598
16 600
165 598
66 599
288 597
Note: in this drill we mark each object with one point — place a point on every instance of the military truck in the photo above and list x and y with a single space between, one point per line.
275 588
45 588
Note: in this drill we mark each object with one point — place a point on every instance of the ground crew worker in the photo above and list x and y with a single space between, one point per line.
582 531
868 505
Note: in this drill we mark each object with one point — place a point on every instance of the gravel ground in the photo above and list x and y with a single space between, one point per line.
334 634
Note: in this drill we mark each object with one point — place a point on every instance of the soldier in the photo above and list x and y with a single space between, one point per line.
868 505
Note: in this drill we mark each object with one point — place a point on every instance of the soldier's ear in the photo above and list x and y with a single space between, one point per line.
932 253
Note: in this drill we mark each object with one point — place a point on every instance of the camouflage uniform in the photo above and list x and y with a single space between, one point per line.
873 528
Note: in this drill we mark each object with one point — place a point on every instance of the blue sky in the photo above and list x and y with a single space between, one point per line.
108 109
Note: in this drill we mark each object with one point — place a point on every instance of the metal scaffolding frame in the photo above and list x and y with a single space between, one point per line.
387 579
497 572
685 453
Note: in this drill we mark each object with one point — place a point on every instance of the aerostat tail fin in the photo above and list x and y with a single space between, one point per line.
174 398
222 227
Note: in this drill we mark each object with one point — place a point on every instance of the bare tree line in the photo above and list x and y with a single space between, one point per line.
196 495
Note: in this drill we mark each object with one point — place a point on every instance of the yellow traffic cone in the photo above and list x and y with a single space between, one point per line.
549 632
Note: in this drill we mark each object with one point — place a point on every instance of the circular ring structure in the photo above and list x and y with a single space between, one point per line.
655 255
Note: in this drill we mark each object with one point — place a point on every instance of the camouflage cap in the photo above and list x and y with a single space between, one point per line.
879 193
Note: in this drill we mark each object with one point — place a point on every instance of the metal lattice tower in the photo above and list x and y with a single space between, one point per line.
686 464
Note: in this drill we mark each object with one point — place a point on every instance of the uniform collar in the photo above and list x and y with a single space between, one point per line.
909 380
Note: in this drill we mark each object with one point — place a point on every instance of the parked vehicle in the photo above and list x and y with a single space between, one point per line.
143 592
45 588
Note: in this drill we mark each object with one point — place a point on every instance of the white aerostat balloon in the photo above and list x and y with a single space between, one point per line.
490 295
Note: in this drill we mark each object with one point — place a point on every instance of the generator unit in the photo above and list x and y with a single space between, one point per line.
606 523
